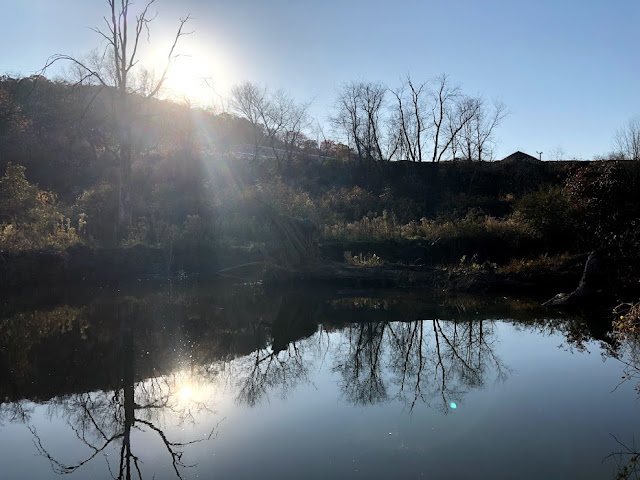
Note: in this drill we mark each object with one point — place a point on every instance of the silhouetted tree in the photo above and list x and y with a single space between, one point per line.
436 113
445 97
627 139
116 69
476 136
360 108
411 119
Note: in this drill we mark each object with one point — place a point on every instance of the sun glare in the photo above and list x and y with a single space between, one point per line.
191 78
186 393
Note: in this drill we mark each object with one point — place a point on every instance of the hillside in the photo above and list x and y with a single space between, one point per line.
203 183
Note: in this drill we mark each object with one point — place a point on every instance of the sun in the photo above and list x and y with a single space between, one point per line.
198 78
190 80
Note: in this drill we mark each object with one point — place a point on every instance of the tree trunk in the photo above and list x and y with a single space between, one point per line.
125 214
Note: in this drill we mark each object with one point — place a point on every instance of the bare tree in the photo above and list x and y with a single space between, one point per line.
627 139
458 116
277 118
372 96
115 69
410 100
348 117
444 100
436 114
360 116
457 120
293 118
476 136
247 100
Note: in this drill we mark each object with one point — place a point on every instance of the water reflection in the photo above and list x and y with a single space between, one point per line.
267 370
625 347
124 371
423 360
102 419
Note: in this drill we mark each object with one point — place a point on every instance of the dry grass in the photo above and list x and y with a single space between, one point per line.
387 227
539 264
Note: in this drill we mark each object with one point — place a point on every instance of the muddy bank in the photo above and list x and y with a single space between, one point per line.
84 265
439 278
42 268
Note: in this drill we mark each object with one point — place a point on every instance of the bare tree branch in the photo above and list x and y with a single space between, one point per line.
171 56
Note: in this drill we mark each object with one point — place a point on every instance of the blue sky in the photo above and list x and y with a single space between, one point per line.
569 71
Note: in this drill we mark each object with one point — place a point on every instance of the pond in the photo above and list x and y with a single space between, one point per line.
231 381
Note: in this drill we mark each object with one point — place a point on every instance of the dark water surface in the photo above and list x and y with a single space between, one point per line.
219 381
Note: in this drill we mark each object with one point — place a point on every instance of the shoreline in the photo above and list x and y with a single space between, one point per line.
86 265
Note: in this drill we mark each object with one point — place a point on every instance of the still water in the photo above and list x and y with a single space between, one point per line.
219 381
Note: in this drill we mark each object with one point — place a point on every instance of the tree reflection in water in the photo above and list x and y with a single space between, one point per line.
279 364
360 365
101 420
426 359
625 347
266 370
126 351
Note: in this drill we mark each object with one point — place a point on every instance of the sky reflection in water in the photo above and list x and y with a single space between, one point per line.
238 384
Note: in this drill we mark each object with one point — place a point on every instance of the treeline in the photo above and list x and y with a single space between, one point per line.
422 121
203 181
432 120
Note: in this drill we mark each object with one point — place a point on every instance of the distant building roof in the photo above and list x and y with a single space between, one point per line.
520 157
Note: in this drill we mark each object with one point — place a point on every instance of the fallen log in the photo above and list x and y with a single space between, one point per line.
587 290
340 274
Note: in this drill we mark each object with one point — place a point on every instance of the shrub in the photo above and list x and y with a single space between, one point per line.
18 198
196 233
30 219
606 197
549 215
347 203
99 206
